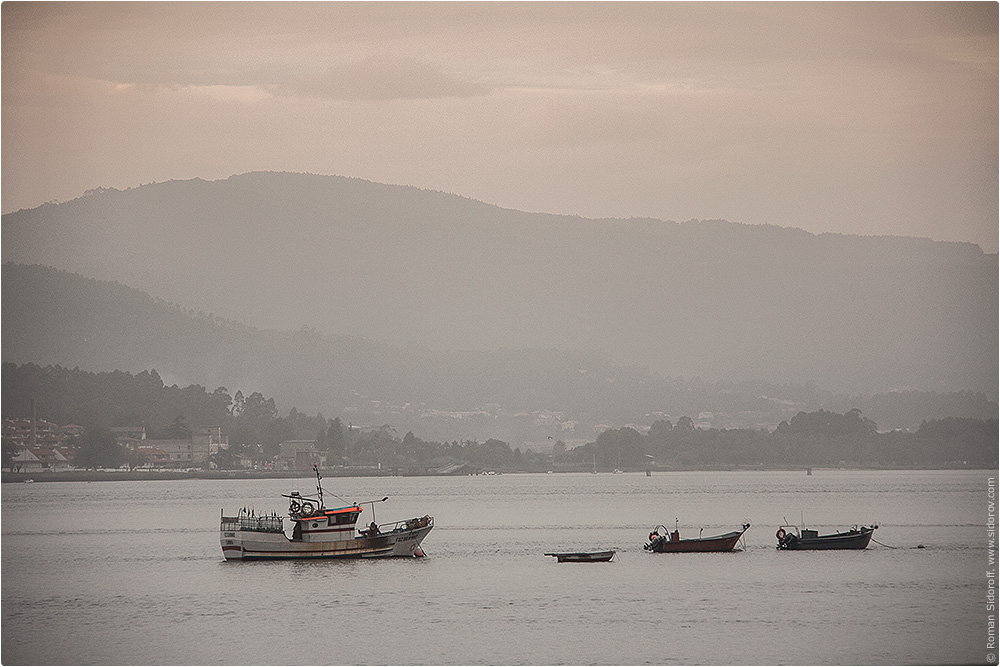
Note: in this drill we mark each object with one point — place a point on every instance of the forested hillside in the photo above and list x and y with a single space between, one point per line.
57 318
710 299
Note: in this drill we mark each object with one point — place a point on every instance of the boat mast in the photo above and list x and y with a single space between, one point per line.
319 485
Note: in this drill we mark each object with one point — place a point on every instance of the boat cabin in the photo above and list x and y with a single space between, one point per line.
326 525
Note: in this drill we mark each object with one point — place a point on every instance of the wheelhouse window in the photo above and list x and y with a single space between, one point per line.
346 517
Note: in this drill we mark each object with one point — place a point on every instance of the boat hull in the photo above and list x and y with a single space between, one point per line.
251 545
856 540
584 557
726 542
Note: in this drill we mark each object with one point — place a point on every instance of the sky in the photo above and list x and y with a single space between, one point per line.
856 118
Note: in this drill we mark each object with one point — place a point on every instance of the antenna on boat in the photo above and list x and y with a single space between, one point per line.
319 485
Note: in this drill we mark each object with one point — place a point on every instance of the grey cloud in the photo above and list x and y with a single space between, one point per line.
759 109
377 78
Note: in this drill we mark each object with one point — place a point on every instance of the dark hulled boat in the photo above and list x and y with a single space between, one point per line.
857 537
666 542
583 556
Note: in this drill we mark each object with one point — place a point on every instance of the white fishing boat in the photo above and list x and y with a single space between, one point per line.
319 532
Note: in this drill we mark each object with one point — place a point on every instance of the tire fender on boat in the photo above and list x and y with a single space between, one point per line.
780 534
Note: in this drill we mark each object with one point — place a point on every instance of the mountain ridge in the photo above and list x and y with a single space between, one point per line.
714 299
250 175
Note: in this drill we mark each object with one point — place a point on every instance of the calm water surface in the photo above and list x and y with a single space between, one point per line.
112 573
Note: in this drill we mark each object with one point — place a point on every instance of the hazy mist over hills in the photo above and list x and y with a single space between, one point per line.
712 299
53 317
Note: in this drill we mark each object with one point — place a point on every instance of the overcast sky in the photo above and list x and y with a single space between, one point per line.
867 118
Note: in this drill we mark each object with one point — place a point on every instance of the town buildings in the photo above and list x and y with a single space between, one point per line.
300 455
39 445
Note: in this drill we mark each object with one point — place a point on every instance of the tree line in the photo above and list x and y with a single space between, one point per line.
255 429
819 438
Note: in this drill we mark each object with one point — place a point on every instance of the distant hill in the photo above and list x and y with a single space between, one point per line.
709 299
53 317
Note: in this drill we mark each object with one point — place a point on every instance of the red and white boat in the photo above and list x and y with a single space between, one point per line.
319 532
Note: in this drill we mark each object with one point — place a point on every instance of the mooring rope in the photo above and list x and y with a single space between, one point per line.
884 545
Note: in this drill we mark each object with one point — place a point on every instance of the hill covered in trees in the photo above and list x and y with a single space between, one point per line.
711 299
818 438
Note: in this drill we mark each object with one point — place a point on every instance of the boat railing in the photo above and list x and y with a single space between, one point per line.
408 524
265 523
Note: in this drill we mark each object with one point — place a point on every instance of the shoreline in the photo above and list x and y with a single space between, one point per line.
162 475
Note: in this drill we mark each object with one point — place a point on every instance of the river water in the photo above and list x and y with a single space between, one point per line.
111 573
